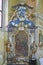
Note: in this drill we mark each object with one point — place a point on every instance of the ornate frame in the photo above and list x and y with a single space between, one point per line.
18 33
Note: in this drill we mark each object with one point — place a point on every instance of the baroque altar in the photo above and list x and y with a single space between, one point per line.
20 31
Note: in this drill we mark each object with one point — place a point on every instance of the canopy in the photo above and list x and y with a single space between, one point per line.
21 18
15 23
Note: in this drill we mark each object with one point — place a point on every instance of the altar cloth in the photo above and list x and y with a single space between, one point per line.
41 61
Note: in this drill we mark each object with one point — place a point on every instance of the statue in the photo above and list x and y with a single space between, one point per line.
33 49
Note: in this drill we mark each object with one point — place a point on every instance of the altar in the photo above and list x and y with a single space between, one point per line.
21 31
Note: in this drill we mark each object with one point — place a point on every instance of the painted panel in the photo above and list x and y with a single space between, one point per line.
21 47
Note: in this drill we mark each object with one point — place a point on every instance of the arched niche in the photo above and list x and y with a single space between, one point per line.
21 43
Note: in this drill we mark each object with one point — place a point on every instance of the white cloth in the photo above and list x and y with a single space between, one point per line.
41 61
1 59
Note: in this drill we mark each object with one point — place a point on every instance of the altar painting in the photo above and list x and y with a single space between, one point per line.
21 47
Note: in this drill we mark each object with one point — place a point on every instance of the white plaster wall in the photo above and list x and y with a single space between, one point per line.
2 31
5 16
1 47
